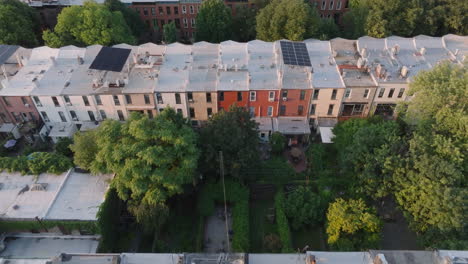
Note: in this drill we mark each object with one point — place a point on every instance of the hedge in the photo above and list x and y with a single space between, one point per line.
36 163
108 222
236 194
17 226
282 223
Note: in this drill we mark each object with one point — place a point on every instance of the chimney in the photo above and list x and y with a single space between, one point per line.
52 60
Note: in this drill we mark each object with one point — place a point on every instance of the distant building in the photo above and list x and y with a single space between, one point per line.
331 9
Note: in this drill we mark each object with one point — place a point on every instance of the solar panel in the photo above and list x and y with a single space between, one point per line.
110 59
6 51
295 53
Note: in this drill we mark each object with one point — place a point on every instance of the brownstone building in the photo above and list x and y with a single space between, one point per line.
331 8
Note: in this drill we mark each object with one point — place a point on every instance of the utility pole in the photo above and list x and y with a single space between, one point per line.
221 166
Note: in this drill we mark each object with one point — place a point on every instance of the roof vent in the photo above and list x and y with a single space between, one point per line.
39 187
364 52
422 51
404 71
80 60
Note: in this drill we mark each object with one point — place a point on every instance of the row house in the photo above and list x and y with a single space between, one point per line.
331 9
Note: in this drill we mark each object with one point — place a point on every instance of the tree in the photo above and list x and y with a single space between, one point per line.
351 225
84 149
213 22
133 20
243 24
152 158
63 147
19 24
170 33
89 24
432 177
235 134
304 207
328 29
354 21
278 142
287 19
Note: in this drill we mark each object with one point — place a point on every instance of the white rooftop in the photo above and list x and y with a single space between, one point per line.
458 46
69 196
324 257
129 258
277 259
263 69
325 70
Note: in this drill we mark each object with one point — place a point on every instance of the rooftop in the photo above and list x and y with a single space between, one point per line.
325 70
68 196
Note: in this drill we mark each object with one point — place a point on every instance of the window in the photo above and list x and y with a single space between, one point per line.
66 98
177 23
333 96
239 96
74 116
192 112
190 97
98 99
312 109
85 100
179 111
252 111
177 98
91 116
121 116
347 4
145 11
56 102
192 10
282 110
153 11
168 10
208 97
36 100
270 111
330 109
44 116
147 99
161 11
116 100
159 98
253 96
209 111
62 116
285 94
185 23
271 96
176 10
150 114
221 96
316 94
331 4
128 98
192 21
24 100
302 96
7 102
347 93
401 92
390 94
16 116
366 93
184 9
324 4
381 92
338 5
300 110
103 114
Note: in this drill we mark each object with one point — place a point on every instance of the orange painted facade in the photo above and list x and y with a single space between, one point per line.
296 102
228 98
263 101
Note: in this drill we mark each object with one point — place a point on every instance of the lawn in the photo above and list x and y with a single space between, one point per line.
313 236
259 224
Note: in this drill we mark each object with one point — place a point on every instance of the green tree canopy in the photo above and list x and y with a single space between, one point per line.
84 149
19 24
234 133
214 22
243 24
278 143
170 33
352 225
304 207
133 20
287 19
432 177
89 24
328 29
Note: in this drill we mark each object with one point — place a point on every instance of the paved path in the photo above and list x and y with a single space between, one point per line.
215 232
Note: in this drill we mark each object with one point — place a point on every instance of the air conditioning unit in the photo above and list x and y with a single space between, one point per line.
285 99
271 99
26 105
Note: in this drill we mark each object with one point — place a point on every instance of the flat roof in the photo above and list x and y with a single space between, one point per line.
6 51
326 134
293 125
110 59
46 245
324 257
404 256
68 196
277 259
161 258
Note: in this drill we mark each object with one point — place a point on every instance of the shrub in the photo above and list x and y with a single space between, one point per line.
63 147
277 142
304 207
108 222
272 243
40 162
282 223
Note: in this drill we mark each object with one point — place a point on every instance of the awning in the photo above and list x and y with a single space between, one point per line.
293 125
62 130
7 127
265 123
326 134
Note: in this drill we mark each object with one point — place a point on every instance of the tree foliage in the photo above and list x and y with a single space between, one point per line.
287 19
63 147
352 225
19 24
84 149
235 134
170 33
282 222
304 207
213 22
89 24
133 20
278 143
432 177
243 24
328 29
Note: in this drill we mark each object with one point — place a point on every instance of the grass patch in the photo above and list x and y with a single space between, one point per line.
260 226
